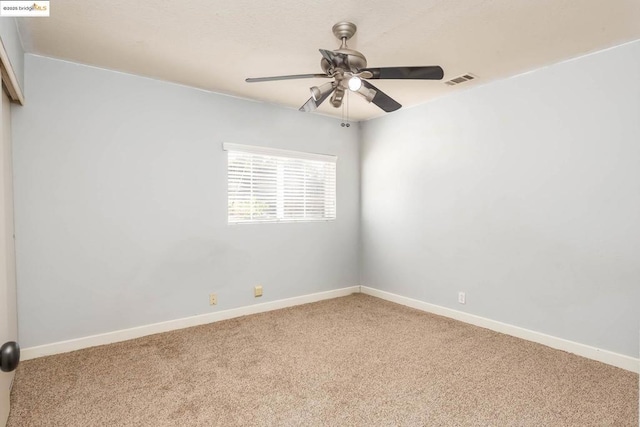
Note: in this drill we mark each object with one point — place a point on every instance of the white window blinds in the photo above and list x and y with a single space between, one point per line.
270 185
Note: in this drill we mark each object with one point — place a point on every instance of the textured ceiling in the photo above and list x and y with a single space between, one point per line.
215 45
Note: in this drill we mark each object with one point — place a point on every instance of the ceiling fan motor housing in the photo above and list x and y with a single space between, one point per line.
356 60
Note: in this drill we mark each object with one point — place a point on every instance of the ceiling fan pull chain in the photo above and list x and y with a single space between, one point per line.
348 95
345 104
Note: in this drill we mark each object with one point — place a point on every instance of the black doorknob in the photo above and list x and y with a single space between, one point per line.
9 356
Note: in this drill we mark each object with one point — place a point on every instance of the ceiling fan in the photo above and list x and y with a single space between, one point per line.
348 69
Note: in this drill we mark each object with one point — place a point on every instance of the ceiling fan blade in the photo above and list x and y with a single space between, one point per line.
418 73
291 77
381 99
312 105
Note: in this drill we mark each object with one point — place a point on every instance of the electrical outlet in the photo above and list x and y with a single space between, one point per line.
213 299
257 291
461 298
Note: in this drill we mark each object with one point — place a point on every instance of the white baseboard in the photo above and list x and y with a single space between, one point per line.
171 325
615 359
605 356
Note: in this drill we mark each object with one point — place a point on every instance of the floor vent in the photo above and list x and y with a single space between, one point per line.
461 79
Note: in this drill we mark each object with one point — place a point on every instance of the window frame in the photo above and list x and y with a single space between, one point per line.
288 155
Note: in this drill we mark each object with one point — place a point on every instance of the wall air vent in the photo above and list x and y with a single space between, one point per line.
463 78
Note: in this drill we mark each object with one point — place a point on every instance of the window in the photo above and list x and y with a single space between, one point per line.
270 185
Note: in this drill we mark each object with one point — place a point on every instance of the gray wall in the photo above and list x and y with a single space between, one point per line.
120 198
524 193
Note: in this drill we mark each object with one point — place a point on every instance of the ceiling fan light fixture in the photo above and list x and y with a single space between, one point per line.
318 92
336 98
315 93
355 83
367 93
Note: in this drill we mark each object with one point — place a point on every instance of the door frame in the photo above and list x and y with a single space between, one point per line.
9 79
11 89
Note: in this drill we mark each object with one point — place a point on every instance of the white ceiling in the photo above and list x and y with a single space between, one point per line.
215 45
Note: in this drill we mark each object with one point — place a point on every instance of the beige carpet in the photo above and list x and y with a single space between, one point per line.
356 360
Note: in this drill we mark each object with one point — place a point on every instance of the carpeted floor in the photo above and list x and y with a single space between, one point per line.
356 360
